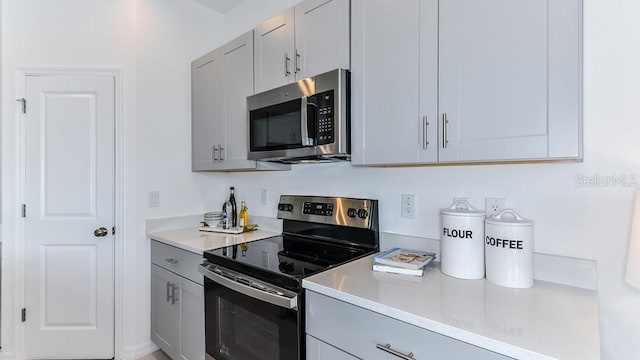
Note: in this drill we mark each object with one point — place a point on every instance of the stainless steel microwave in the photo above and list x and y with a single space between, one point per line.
302 122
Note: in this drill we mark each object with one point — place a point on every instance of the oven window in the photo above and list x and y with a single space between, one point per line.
239 327
276 127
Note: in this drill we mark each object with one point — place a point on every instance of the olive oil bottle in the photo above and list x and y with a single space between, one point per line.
243 216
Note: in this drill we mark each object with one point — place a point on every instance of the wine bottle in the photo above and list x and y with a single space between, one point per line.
234 209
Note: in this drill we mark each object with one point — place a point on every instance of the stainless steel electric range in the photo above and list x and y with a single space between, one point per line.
254 301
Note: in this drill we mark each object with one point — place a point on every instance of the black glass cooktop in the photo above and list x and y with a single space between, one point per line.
283 260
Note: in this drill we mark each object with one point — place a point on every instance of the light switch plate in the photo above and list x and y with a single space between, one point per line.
153 199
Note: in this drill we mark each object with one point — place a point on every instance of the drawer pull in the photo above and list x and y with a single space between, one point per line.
390 350
171 261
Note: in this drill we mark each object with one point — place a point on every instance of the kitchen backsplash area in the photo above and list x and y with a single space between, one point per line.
577 208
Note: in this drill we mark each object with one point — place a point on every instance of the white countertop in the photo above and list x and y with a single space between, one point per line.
548 321
191 239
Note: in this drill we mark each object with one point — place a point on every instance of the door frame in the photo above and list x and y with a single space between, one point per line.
120 222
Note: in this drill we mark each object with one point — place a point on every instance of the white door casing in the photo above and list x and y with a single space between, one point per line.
69 193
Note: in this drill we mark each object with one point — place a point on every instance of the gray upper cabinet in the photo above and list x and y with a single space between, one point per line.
221 82
274 44
237 84
321 37
394 81
304 41
207 125
475 81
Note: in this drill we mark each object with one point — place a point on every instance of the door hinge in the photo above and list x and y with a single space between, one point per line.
113 230
24 314
24 210
23 102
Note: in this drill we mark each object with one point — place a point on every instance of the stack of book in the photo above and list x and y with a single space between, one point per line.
403 261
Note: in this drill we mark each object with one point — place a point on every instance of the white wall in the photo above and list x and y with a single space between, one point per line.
153 42
580 221
171 33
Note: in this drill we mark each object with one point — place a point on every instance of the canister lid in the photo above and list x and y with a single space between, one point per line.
462 208
508 217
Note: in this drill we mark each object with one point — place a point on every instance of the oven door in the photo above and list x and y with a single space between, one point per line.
246 319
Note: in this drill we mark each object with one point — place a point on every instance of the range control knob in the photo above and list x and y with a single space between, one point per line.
362 213
285 207
351 212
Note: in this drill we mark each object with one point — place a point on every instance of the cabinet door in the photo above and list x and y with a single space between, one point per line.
274 52
165 328
190 302
321 37
207 125
318 350
237 84
385 63
500 79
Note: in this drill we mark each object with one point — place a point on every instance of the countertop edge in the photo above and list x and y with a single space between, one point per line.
165 238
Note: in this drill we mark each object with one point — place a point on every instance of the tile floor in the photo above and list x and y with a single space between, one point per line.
158 355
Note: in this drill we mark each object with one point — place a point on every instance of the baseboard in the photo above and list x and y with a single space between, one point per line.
138 351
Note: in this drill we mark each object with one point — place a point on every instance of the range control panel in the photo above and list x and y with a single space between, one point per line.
316 208
329 210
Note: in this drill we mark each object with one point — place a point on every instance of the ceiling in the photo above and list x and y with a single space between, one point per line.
221 6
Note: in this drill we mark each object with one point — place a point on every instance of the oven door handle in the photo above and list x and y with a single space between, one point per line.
258 294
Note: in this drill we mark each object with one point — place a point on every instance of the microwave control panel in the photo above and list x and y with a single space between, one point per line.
324 101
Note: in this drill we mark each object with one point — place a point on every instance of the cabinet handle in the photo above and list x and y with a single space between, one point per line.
445 123
286 65
171 261
173 294
221 152
297 62
168 291
215 153
390 350
425 133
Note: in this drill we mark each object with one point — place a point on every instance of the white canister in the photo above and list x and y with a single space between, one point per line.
461 241
509 249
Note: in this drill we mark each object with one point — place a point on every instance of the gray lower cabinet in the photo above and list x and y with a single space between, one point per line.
317 350
177 302
338 330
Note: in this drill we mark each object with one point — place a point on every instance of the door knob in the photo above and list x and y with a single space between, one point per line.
100 232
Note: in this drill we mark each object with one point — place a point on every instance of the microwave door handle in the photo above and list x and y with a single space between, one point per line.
304 124
274 299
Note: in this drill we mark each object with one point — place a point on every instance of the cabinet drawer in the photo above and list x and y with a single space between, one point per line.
318 350
181 262
357 331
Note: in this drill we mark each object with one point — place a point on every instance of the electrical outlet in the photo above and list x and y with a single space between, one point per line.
492 206
264 197
408 206
153 199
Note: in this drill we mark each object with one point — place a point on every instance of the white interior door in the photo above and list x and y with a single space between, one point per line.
69 183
